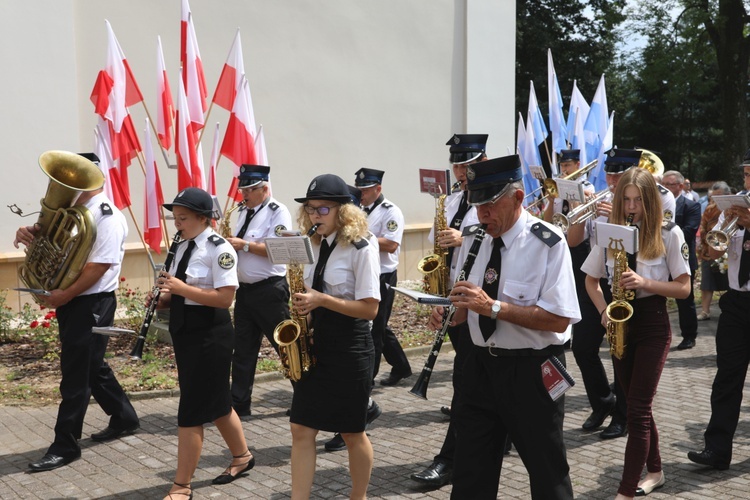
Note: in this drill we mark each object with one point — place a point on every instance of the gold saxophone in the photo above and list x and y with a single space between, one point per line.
434 268
619 311
66 233
293 335
225 228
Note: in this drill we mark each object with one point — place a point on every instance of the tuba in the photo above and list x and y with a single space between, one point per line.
293 335
650 162
66 233
434 267
619 311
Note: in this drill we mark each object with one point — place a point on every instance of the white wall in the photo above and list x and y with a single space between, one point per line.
337 84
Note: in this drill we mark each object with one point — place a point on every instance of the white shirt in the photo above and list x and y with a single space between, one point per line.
532 273
350 273
674 263
109 245
452 203
734 254
211 266
387 221
271 219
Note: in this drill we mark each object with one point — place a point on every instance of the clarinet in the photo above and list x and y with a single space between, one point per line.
137 352
420 387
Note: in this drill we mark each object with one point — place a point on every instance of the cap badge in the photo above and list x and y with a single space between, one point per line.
242 169
612 152
470 174
361 175
490 276
313 185
179 195
456 139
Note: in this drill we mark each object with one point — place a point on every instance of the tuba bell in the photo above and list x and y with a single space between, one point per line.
66 233
650 162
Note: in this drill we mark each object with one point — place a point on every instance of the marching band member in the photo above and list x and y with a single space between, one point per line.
199 289
342 293
662 253
732 340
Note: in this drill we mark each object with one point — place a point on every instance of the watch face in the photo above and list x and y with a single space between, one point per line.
246 248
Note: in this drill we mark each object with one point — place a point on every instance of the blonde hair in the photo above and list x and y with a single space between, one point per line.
650 242
351 224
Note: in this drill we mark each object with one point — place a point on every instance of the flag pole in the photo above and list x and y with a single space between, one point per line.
140 235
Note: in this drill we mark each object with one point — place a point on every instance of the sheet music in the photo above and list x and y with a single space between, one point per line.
289 250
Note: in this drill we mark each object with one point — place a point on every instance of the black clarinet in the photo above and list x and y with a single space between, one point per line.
137 352
420 388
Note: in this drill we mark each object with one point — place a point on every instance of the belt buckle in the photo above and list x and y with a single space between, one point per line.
489 349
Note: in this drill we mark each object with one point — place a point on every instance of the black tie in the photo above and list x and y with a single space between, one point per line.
490 286
463 207
248 218
744 275
320 267
367 210
177 304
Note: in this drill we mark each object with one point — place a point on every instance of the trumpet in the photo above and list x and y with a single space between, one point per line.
550 185
719 239
581 213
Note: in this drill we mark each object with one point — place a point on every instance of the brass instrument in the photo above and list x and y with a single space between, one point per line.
550 185
650 162
719 239
581 213
619 311
434 267
225 228
293 335
66 233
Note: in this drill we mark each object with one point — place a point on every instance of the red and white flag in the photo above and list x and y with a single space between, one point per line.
193 78
214 161
260 147
231 76
189 171
152 199
165 108
239 143
117 189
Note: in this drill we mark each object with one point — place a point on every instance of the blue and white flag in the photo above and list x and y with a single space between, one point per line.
598 177
597 121
578 108
556 117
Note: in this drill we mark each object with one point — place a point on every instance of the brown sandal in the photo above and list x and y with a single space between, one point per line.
227 477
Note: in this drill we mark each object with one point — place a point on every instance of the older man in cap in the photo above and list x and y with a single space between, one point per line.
263 296
519 312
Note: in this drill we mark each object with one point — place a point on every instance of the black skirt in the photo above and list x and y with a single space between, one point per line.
334 396
203 352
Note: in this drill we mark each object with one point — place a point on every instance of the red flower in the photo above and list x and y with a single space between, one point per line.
50 315
45 324
42 308
34 324
122 278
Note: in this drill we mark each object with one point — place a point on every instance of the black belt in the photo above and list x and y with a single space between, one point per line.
495 352
100 295
267 281
740 293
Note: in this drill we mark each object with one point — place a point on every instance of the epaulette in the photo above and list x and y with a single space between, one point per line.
544 233
216 239
469 230
106 209
273 206
668 225
386 205
662 189
360 244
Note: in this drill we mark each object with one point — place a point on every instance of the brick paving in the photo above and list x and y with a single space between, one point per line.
405 438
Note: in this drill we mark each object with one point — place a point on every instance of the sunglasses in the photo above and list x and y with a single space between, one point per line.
321 210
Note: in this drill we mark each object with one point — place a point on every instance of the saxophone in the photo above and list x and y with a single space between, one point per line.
225 230
434 267
293 335
619 311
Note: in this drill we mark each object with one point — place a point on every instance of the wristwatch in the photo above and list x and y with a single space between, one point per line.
246 247
495 309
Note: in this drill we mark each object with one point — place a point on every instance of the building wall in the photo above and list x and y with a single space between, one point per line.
337 85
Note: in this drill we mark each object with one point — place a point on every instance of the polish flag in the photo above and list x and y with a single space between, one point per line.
193 78
260 147
165 108
239 144
116 185
153 198
189 171
214 161
231 76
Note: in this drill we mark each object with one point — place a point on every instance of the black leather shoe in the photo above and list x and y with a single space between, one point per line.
686 344
710 458
597 417
394 378
51 462
445 410
436 475
508 446
614 430
110 433
373 412
336 443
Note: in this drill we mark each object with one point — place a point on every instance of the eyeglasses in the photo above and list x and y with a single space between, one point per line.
671 184
250 189
321 210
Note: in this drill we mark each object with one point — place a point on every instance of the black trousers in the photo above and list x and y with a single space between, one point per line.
732 359
258 308
687 313
502 396
85 373
383 338
462 344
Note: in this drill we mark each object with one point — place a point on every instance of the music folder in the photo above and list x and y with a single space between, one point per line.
289 249
423 298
